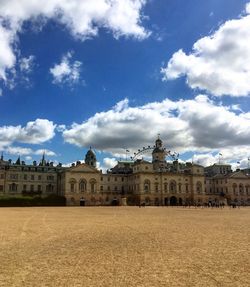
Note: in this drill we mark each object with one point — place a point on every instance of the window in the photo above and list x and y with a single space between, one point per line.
247 189
24 187
39 177
49 188
146 185
1 188
50 177
234 188
32 187
13 176
241 190
13 187
179 187
115 178
172 186
101 188
32 177
25 177
39 188
72 185
1 175
156 187
92 185
82 185
198 187
166 187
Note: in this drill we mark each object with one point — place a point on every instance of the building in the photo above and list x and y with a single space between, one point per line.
21 179
134 182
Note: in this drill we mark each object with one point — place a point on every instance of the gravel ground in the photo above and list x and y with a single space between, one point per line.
124 246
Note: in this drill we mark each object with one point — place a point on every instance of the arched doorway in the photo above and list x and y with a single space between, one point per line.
173 201
115 202
180 201
82 201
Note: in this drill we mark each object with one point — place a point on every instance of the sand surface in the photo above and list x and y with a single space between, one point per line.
124 246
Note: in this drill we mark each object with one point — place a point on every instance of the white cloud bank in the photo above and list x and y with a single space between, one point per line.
35 132
67 71
219 63
198 125
83 18
23 151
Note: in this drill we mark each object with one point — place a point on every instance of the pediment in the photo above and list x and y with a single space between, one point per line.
238 174
83 168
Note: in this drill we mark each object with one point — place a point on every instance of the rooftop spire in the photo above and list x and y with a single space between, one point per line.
1 156
18 160
43 161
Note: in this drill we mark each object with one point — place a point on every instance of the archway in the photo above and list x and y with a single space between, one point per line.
173 201
82 201
180 201
115 202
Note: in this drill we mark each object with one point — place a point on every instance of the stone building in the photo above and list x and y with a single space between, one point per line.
21 179
157 182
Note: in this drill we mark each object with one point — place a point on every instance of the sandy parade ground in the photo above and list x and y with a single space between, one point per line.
124 246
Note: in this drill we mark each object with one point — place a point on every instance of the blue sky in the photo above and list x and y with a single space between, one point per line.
114 74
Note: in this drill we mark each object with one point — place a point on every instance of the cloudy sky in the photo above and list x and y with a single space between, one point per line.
112 74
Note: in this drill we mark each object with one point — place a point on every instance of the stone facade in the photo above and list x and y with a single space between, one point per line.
130 182
21 179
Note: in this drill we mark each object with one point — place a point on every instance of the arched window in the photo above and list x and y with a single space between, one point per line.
241 188
199 187
234 188
72 184
147 185
82 185
172 186
92 183
247 189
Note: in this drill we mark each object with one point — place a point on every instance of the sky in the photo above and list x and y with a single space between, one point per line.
113 74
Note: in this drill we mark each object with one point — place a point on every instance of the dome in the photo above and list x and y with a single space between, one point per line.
90 153
90 158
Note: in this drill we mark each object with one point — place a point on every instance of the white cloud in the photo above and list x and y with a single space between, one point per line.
67 71
7 56
36 132
26 63
219 63
248 8
232 155
197 125
109 162
23 151
83 18
60 128
28 158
